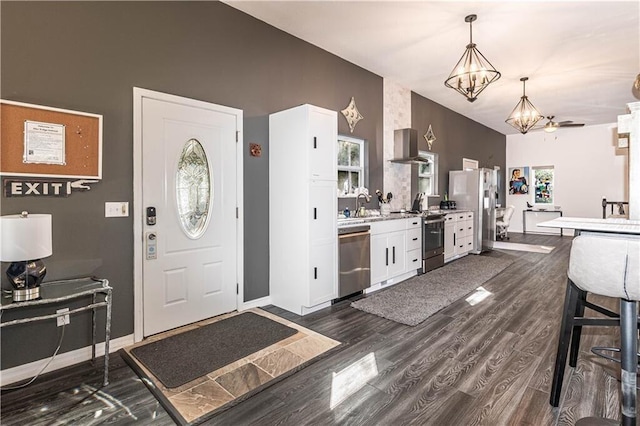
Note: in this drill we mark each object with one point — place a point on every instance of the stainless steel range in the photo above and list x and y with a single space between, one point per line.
432 241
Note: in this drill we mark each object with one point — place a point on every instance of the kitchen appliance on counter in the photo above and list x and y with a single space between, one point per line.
476 190
447 205
354 247
432 242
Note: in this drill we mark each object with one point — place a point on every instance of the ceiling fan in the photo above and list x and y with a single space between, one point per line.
552 126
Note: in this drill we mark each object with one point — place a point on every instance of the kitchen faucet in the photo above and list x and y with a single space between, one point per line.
359 205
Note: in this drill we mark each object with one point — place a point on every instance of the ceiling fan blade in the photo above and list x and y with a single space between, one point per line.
571 124
565 122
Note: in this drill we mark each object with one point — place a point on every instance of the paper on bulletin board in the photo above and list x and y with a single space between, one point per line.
44 143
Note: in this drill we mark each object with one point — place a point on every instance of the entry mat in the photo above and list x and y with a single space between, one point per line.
204 368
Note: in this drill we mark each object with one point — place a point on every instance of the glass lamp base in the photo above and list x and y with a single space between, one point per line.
26 277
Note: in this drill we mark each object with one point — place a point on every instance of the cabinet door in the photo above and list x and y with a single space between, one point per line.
323 207
323 274
323 145
449 237
397 245
379 258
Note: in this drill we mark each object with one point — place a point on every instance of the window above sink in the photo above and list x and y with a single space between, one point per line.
352 165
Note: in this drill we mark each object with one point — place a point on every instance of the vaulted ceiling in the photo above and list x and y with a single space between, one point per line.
581 57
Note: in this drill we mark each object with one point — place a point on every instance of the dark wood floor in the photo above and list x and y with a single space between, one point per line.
488 364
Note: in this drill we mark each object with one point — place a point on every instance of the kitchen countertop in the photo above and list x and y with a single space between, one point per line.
342 222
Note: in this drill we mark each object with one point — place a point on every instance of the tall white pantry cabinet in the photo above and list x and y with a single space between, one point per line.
303 206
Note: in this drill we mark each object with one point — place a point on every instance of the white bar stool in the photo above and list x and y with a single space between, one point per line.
608 265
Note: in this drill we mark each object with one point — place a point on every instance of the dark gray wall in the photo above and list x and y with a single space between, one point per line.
87 56
457 137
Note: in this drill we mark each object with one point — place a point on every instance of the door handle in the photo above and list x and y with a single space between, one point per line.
315 213
387 256
315 142
315 273
394 255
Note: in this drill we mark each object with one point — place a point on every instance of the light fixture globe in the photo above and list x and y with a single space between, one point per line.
473 72
524 116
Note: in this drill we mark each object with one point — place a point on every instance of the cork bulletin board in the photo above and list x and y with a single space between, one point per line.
50 142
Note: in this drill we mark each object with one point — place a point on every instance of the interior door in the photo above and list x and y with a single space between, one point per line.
189 202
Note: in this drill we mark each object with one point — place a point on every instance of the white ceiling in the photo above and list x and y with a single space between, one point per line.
581 57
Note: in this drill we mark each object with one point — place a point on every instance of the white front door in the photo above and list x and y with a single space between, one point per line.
189 182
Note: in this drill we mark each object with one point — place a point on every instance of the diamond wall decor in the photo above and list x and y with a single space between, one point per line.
352 114
430 137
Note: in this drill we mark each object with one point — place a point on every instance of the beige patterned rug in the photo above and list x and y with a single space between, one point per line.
206 396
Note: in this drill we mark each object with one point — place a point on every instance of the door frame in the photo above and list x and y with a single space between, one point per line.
138 209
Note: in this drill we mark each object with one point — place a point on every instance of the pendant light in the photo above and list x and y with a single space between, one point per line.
524 116
473 72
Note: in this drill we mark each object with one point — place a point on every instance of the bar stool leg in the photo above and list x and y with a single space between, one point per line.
629 359
577 329
570 301
629 368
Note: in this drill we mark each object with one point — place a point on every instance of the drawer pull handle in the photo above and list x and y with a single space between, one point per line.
415 239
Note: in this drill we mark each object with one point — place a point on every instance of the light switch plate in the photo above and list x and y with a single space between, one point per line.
116 209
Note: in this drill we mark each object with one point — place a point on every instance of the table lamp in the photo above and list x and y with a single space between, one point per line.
24 240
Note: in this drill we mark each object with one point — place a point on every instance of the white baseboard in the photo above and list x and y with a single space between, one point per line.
26 371
256 303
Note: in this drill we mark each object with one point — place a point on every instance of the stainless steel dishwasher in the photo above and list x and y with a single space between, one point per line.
355 259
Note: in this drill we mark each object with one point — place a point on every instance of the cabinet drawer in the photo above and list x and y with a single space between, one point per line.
465 244
414 259
385 226
414 223
468 228
414 239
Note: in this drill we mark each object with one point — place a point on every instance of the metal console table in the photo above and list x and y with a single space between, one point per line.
536 214
59 291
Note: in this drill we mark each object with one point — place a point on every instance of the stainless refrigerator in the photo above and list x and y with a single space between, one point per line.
476 190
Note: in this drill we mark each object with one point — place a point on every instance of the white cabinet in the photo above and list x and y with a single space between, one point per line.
458 235
396 249
303 242
414 244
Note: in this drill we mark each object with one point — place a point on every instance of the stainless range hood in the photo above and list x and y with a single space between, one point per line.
405 147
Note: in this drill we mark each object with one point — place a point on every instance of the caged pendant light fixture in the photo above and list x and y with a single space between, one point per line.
524 116
473 72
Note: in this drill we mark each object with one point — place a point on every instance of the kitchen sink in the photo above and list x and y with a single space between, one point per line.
351 220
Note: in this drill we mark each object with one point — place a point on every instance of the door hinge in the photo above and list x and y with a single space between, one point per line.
237 288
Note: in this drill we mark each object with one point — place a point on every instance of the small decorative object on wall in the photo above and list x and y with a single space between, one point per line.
518 181
543 184
352 114
255 150
49 142
430 137
43 187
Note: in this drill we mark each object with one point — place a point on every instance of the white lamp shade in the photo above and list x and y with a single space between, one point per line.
25 238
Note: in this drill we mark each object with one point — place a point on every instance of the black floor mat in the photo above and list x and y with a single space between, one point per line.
184 357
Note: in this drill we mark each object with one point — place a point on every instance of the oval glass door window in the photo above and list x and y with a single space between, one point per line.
194 193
